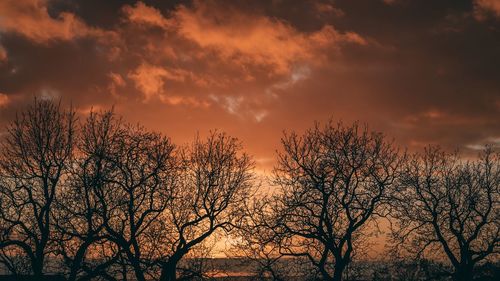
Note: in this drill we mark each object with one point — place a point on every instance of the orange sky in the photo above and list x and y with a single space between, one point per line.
420 71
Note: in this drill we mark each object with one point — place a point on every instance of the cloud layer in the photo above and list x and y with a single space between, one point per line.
421 71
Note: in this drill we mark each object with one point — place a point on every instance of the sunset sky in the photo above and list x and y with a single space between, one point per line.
423 72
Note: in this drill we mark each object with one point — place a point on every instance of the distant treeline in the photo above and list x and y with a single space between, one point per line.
102 199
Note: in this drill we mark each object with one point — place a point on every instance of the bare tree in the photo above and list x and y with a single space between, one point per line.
216 180
82 242
35 158
123 202
332 181
132 177
449 207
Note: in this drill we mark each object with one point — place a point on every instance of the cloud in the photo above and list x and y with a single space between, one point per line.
182 100
485 8
253 68
4 100
31 19
116 82
145 15
494 142
389 2
327 8
150 79
255 39
241 107
229 103
49 94
3 54
245 40
189 52
297 74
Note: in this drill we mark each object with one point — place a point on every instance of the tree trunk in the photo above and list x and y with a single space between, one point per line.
37 268
339 270
73 273
77 261
139 274
464 273
168 271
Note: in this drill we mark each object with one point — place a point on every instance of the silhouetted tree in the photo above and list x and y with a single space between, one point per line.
82 242
35 158
449 207
131 174
215 182
332 181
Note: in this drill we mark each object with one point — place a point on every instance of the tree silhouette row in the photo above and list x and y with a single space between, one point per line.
101 199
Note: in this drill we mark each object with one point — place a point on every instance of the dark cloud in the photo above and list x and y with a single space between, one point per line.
422 71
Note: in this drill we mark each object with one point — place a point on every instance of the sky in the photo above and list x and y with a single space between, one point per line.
421 71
